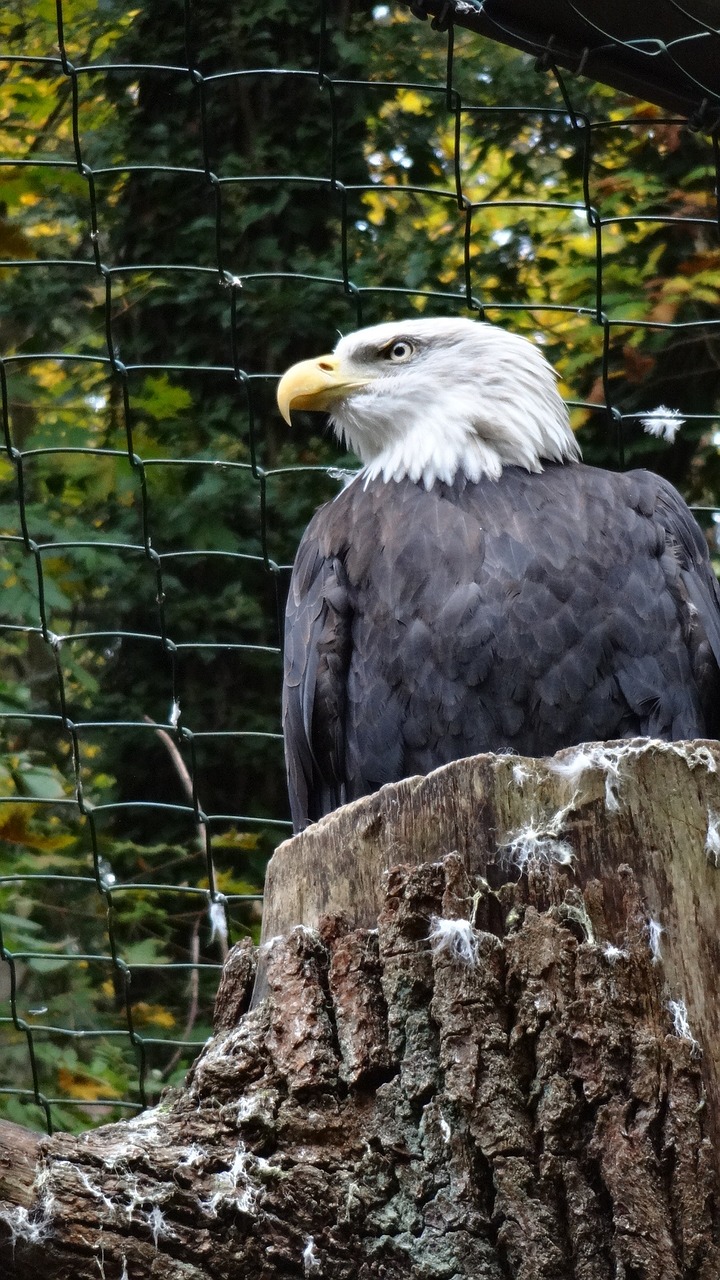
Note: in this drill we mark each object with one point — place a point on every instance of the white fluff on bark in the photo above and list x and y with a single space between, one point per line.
24 1227
193 1155
681 1024
229 1183
712 839
135 1197
457 938
311 1261
695 755
157 1223
267 946
538 841
246 1107
654 933
521 774
93 1190
595 756
534 845
612 953
611 761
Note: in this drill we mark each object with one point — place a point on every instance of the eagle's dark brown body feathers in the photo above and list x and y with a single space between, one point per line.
527 613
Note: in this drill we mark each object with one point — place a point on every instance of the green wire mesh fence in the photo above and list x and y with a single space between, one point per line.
192 198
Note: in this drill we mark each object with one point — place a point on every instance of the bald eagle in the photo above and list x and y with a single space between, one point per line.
476 587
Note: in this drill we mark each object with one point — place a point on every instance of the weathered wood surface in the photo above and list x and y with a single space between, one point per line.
487 1080
651 804
19 1151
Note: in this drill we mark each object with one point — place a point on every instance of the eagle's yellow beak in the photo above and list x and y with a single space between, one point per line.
314 384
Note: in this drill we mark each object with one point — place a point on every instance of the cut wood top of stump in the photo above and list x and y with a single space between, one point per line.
655 805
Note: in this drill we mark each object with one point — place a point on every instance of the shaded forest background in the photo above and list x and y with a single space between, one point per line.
192 198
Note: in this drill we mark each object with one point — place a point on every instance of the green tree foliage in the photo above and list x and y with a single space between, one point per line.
193 197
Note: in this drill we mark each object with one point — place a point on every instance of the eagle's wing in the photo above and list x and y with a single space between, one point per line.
317 655
696 574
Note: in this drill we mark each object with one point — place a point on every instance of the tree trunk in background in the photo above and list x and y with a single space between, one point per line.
503 1079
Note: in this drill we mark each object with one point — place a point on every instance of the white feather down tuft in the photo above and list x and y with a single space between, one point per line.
455 937
663 423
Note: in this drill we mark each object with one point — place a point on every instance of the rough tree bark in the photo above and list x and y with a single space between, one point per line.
471 1052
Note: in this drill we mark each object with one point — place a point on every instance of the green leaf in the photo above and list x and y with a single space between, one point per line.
160 399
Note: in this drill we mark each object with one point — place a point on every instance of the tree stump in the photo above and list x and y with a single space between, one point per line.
484 1045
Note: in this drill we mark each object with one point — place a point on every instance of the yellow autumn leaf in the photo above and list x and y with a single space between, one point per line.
152 1015
411 101
234 839
50 375
80 1084
15 828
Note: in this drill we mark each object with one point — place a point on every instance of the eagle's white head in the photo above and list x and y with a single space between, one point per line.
430 398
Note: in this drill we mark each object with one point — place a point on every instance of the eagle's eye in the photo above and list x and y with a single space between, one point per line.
399 351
